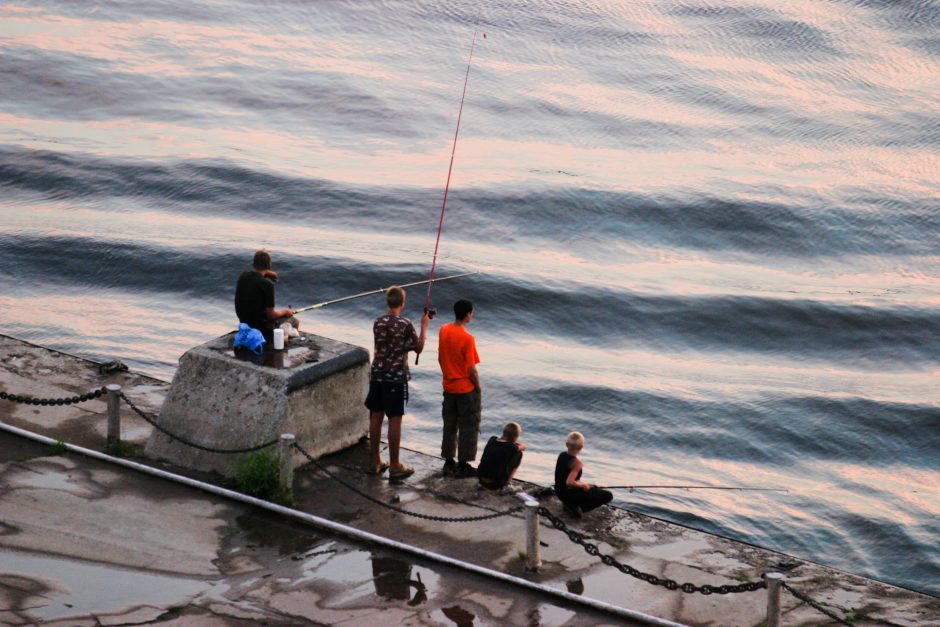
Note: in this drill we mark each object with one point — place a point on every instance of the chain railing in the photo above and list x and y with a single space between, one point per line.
400 510
573 535
187 442
816 605
68 400
669 584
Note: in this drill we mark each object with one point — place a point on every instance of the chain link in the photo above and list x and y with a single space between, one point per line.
209 449
399 509
669 584
816 605
69 400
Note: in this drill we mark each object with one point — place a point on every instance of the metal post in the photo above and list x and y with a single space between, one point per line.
285 446
114 414
532 558
774 581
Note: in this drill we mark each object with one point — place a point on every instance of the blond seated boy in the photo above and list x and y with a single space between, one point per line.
575 495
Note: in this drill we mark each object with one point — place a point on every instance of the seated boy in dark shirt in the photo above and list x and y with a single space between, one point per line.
501 458
575 495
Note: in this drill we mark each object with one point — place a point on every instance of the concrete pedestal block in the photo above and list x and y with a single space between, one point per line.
221 399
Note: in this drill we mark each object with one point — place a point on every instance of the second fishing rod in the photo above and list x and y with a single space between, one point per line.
450 169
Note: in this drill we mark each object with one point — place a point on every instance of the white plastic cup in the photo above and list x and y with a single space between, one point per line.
278 339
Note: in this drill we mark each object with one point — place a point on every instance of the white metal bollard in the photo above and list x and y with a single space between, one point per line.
774 582
114 413
533 560
285 451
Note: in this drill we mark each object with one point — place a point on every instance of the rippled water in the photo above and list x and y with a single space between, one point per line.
706 232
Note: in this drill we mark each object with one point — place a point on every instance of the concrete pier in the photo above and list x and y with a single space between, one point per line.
85 542
225 399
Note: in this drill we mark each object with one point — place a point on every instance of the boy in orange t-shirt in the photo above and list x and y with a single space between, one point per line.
461 409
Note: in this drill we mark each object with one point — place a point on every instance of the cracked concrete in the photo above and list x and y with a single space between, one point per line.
87 543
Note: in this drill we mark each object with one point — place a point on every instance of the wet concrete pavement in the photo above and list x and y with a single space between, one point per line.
83 542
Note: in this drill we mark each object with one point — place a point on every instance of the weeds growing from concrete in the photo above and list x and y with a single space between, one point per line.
257 474
125 449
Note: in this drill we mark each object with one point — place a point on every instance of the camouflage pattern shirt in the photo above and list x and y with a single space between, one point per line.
394 337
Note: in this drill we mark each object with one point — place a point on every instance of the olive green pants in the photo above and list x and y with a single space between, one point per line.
461 414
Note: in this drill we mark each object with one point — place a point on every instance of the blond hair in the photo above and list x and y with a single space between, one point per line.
395 297
575 440
512 431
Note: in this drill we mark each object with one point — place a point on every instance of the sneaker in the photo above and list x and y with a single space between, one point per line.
401 472
572 510
465 471
510 489
449 466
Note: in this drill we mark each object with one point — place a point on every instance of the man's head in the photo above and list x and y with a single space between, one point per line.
395 297
262 260
462 309
574 442
512 431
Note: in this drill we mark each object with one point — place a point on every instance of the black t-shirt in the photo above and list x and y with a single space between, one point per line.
562 470
253 294
496 462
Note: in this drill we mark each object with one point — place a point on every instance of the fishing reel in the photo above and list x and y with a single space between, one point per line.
431 311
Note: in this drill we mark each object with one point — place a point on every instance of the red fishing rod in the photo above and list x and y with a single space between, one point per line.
440 226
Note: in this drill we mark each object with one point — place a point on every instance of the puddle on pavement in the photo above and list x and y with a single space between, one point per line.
346 517
265 531
98 588
365 573
47 480
459 616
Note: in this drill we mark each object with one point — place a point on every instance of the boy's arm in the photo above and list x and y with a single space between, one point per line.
572 481
475 379
424 332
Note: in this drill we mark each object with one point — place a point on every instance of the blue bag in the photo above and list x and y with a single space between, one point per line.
249 338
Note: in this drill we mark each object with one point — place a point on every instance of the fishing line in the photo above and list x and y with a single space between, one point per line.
378 291
688 487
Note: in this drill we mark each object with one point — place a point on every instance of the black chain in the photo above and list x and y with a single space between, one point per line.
398 509
209 449
30 400
816 605
669 584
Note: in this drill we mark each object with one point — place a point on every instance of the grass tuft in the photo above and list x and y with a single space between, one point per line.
258 474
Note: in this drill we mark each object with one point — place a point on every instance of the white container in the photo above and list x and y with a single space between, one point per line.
278 339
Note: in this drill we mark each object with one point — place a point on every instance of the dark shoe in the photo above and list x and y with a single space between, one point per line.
572 510
449 467
465 471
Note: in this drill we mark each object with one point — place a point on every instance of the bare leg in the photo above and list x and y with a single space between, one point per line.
375 436
394 440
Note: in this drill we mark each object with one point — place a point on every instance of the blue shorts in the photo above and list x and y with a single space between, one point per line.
387 397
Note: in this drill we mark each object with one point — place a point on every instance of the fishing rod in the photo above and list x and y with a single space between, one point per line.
688 487
440 225
378 291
